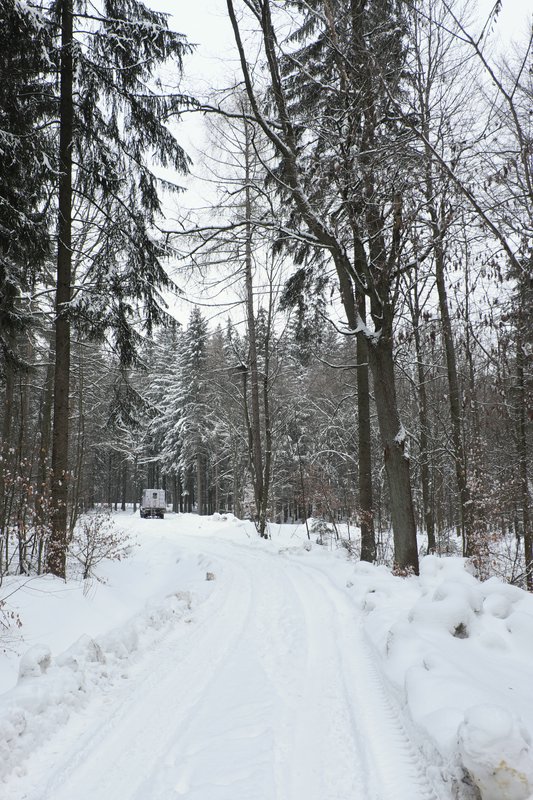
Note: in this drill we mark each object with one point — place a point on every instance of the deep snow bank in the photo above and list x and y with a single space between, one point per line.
460 650
49 689
78 638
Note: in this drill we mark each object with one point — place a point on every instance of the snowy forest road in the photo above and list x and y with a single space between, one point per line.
270 693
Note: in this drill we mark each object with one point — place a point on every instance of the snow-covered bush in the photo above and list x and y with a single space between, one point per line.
96 538
9 619
323 531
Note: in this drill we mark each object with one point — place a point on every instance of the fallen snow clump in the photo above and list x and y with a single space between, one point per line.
495 749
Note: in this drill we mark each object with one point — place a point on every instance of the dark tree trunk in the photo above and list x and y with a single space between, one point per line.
523 461
42 496
5 452
396 459
366 510
423 416
76 485
455 404
200 485
256 455
124 484
56 557
176 495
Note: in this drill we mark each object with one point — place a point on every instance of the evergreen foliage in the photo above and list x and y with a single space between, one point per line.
121 116
26 163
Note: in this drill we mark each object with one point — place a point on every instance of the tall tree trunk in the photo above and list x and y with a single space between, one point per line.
267 470
523 455
42 496
438 227
200 487
5 453
423 416
366 509
124 484
176 494
57 547
76 489
217 485
23 462
454 398
393 438
256 456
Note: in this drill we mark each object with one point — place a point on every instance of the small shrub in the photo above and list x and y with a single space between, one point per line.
9 619
323 531
96 538
352 548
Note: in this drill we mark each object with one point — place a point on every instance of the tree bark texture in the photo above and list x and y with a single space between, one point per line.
523 462
455 405
200 484
423 416
395 458
256 455
364 454
57 546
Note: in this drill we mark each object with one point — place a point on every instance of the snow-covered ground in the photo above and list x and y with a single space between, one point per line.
294 674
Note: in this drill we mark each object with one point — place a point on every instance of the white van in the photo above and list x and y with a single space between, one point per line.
153 503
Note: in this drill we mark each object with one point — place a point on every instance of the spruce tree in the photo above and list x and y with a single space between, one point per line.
112 115
26 165
186 422
26 174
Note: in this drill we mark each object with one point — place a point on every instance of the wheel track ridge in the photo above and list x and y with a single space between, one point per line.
148 680
414 763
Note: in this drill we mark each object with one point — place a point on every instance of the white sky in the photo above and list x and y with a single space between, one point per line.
214 65
205 22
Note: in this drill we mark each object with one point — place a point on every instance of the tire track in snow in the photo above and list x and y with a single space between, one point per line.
370 730
309 718
226 749
395 767
117 742
343 734
325 762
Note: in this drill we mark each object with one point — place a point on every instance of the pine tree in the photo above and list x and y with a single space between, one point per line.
26 165
112 125
186 420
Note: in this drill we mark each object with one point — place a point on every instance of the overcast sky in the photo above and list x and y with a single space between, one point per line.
205 22
214 65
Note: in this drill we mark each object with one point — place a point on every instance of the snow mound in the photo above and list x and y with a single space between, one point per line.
35 662
520 626
497 605
452 607
50 689
495 749
450 644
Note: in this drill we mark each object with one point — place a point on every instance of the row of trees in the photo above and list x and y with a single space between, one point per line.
374 220
83 121
379 147
182 421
